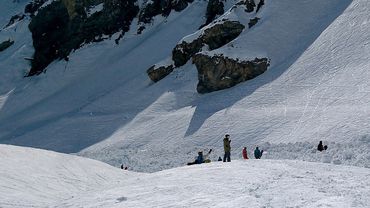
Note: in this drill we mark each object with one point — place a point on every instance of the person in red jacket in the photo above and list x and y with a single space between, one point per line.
244 153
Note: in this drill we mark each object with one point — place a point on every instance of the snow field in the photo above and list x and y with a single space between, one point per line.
38 178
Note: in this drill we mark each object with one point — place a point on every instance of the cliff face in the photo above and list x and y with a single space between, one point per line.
63 26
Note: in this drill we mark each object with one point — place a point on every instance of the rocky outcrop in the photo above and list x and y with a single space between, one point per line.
6 44
214 8
249 5
63 26
14 19
214 37
219 72
159 73
33 6
184 51
253 21
161 7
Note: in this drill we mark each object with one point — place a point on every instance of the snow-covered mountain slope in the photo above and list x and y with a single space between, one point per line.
38 178
102 105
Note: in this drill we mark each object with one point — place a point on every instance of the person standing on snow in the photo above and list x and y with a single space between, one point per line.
258 153
244 153
320 147
227 148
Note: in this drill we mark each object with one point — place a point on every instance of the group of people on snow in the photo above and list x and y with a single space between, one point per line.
227 149
201 158
227 153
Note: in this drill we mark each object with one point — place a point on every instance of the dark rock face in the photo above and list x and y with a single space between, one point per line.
159 73
221 34
184 51
161 7
214 8
63 26
260 4
214 37
14 19
253 21
249 4
219 72
33 6
6 44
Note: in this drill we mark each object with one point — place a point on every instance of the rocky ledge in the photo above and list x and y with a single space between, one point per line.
219 72
214 37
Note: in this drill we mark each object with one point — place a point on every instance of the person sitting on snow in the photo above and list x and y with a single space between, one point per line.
201 159
244 153
258 153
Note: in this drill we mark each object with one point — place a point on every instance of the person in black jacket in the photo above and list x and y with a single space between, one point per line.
320 147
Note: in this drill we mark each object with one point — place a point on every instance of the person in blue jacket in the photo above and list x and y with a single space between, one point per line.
201 158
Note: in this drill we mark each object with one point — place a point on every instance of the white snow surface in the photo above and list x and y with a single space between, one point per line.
95 9
39 178
101 104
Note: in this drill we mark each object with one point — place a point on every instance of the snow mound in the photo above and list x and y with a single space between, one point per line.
37 178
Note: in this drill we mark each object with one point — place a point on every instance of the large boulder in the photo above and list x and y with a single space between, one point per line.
219 72
216 36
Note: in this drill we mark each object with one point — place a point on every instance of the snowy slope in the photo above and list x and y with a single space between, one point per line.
10 8
37 178
102 105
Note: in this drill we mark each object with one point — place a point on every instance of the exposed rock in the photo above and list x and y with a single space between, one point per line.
260 4
33 6
219 72
159 73
6 44
15 18
214 37
161 7
221 34
179 5
63 26
253 21
214 8
184 51
249 4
